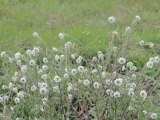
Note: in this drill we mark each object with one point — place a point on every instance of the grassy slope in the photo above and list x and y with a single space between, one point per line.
20 18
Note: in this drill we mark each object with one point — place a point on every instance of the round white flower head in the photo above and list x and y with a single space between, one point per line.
14 89
57 58
137 18
69 88
32 63
40 71
118 81
149 64
121 60
116 94
20 94
44 67
153 116
94 71
17 100
81 69
68 45
151 45
96 85
74 72
45 60
56 89
94 59
54 49
29 52
17 55
23 69
101 57
33 88
143 94
66 75
36 50
141 43
44 77
133 68
109 92
123 68
3 54
128 29
19 62
10 85
133 85
61 36
35 34
79 60
43 90
86 82
129 64
23 80
70 96
108 81
57 79
144 112
111 19
157 59
14 79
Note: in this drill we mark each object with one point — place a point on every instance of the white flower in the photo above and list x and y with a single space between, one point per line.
79 60
55 89
118 81
94 71
81 69
149 64
33 88
44 76
36 50
42 84
4 87
54 49
43 90
40 71
35 34
141 43
104 74
73 56
123 68
66 75
20 94
19 62
96 85
109 92
153 116
10 85
23 69
57 79
17 100
69 88
143 94
86 82
74 71
94 59
61 36
45 60
116 94
134 76
137 18
133 68
128 29
23 80
111 19
14 89
108 81
57 58
68 45
121 60
17 55
3 54
101 57
157 59
70 96
44 67
29 52
133 85
129 64
32 63
144 112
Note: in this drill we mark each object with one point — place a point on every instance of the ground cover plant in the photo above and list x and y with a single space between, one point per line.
59 83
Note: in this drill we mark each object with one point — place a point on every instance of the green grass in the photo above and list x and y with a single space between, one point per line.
20 18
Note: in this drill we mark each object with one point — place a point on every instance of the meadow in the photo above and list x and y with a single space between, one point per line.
79 60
